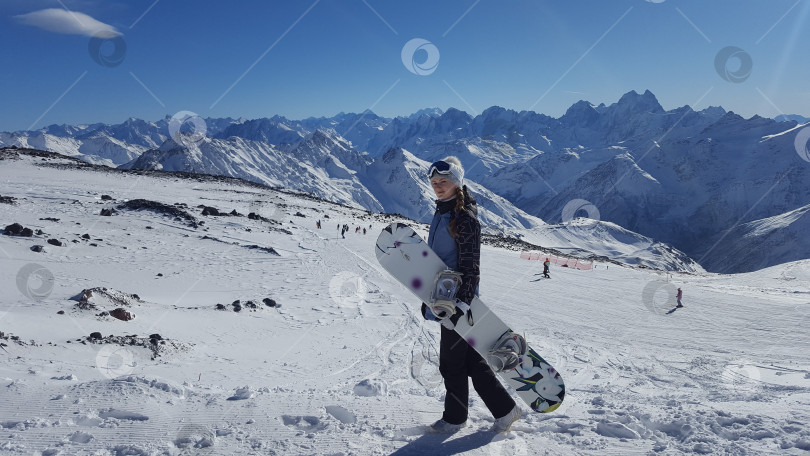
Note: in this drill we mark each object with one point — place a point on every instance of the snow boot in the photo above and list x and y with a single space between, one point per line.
443 427
503 424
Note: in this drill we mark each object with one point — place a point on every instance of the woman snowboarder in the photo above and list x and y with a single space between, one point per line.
455 235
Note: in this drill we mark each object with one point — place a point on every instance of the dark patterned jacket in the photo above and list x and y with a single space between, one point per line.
468 243
469 248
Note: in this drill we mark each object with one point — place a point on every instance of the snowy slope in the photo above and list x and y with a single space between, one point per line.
584 237
277 131
689 191
346 365
109 145
753 245
42 141
357 128
96 146
316 165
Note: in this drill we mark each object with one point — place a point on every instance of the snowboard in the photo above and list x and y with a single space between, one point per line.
408 258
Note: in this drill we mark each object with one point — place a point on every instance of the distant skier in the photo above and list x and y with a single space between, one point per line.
546 265
679 296
455 235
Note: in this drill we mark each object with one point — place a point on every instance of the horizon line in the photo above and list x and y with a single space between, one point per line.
368 110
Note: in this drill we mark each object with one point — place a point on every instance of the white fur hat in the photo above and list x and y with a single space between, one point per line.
454 172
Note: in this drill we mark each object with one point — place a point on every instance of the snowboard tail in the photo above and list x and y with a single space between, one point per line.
408 258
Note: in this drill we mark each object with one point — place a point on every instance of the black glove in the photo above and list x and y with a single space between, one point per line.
461 309
427 314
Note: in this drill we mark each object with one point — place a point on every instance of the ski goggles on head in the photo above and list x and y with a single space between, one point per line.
439 167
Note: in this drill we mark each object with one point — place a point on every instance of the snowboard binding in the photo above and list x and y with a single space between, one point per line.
443 300
505 354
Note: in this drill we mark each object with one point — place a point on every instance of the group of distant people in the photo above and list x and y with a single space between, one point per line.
345 229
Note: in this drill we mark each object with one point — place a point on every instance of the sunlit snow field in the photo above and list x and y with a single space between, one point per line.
344 364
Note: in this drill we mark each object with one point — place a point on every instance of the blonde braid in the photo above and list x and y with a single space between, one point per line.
461 194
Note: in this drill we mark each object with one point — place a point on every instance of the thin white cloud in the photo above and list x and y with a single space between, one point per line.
59 20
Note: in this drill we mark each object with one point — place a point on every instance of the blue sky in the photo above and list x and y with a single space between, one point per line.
317 58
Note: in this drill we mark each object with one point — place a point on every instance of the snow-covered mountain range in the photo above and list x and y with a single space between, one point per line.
694 179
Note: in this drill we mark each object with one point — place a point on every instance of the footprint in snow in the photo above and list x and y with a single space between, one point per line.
303 423
80 437
197 437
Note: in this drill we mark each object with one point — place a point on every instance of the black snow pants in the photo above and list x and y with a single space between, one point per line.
457 361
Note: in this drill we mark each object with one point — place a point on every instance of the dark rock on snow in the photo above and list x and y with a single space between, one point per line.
121 314
207 210
160 208
15 229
